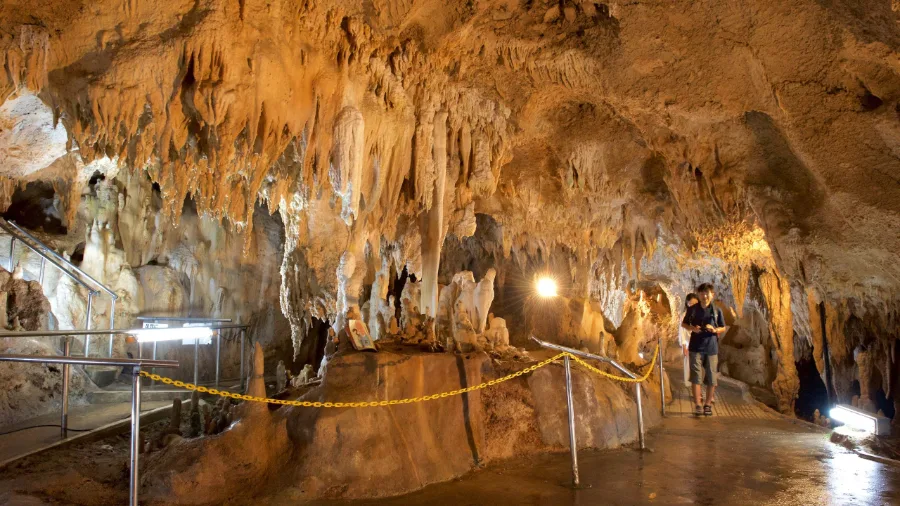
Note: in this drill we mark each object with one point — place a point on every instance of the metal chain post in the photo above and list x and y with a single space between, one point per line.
640 415
243 335
196 361
218 355
573 448
134 482
154 358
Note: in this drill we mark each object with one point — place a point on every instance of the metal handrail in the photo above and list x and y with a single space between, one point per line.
22 234
178 319
67 333
197 342
583 354
45 257
60 333
67 348
135 365
112 362
571 405
62 259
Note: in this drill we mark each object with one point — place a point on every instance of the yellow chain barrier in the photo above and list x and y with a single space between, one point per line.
411 400
613 376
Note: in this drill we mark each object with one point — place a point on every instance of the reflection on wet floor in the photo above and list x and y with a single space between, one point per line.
706 461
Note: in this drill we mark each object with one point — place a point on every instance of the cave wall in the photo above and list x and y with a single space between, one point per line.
193 268
618 145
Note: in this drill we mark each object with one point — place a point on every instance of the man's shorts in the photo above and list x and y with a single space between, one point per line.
708 363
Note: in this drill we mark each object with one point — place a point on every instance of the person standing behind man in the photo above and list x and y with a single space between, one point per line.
684 337
705 322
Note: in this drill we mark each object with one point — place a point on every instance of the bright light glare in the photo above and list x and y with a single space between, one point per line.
150 335
546 287
854 418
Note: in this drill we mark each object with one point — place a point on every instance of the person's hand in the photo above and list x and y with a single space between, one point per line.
710 327
696 329
685 348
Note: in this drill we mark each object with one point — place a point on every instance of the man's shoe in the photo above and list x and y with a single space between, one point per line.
698 411
707 410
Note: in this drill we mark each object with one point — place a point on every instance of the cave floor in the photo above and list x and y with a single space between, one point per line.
724 460
735 458
23 442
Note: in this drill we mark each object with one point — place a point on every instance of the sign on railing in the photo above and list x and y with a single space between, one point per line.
192 340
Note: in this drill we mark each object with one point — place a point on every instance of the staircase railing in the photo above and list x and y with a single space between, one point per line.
65 266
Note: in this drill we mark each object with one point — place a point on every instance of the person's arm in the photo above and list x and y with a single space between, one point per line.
685 325
684 340
692 328
720 323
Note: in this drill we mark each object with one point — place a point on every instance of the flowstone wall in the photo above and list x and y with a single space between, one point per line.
383 451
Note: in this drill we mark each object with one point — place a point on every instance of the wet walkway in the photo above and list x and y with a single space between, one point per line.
707 461
745 455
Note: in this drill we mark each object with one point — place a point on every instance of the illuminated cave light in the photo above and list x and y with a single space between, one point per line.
150 335
546 287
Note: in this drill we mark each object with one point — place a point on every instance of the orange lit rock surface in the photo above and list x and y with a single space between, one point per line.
630 150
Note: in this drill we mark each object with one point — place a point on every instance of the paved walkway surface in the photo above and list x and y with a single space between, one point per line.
745 455
729 402
117 406
82 417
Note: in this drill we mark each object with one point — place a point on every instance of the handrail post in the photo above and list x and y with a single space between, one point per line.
196 361
41 276
218 355
87 324
640 415
12 251
662 376
112 323
134 482
153 382
64 420
243 335
573 448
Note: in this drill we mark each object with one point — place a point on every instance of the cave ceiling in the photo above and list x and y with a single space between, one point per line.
582 124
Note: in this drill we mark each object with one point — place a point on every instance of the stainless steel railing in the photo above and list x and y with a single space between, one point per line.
48 254
156 319
67 347
571 407
135 366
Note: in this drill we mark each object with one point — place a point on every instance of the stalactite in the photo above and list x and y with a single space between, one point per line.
347 161
432 223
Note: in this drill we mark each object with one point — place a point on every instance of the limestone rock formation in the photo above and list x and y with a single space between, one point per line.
299 164
30 389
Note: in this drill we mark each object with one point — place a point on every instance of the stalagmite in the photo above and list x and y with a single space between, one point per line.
483 297
256 386
379 306
280 376
299 165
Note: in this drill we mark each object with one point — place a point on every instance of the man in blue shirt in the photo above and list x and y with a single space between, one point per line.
705 323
